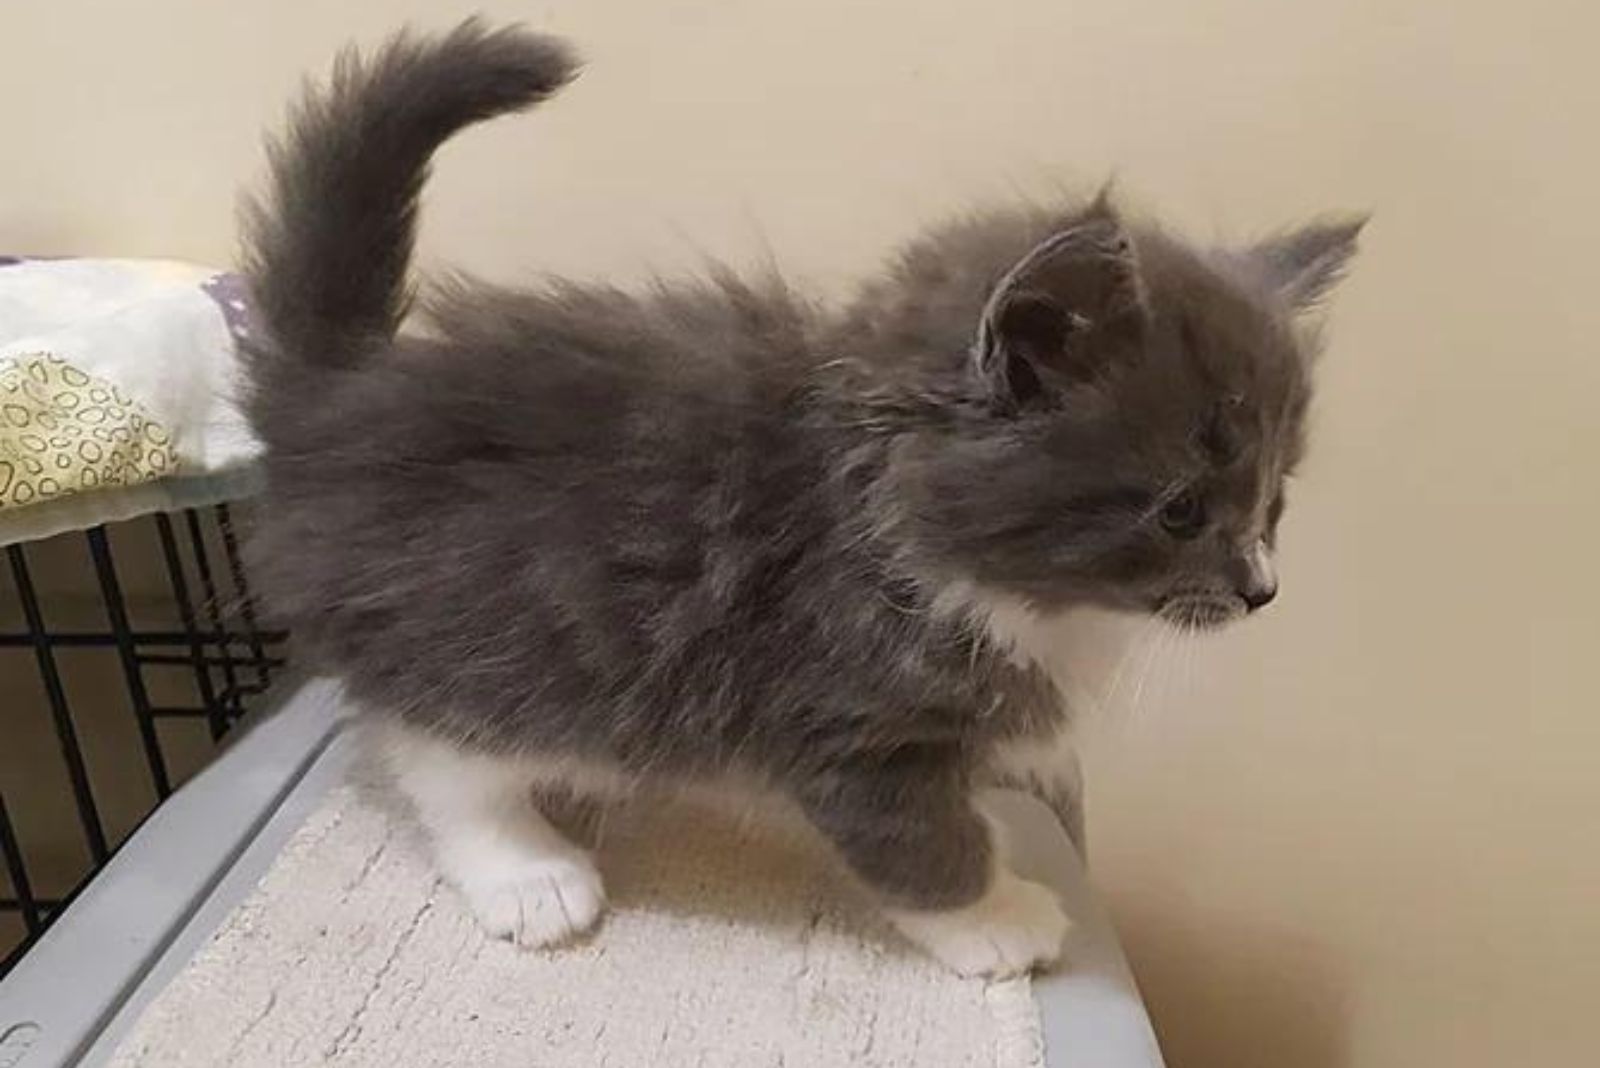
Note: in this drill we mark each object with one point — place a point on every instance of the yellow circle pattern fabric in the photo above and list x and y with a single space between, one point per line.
63 431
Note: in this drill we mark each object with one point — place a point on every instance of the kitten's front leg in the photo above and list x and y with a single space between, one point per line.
911 832
1047 767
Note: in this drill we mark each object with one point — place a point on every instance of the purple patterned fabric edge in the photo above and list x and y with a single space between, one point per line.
227 290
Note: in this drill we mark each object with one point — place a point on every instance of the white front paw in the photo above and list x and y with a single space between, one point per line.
1016 926
538 903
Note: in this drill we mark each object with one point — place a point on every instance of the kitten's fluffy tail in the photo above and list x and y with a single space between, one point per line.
327 248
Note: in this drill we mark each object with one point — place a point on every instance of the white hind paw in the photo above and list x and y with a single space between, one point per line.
542 902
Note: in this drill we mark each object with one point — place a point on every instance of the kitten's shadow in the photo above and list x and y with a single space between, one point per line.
1237 997
717 862
758 866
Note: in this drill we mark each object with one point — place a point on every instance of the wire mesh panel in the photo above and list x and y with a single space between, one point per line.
213 638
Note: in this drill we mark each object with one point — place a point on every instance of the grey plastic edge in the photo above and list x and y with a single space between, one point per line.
64 997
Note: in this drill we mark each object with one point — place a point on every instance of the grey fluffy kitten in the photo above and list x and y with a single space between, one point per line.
606 539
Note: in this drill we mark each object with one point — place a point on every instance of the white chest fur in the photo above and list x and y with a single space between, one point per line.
1075 648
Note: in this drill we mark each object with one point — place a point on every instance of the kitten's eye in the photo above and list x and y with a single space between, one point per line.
1184 516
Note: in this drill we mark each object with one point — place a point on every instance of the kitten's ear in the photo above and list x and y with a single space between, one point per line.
1302 265
1062 314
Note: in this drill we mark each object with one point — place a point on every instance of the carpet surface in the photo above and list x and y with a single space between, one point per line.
732 942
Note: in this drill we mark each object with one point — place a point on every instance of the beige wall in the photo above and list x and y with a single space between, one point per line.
1362 831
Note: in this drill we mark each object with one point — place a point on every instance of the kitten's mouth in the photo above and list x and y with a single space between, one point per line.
1200 611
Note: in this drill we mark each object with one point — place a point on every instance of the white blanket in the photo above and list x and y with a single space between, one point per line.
118 392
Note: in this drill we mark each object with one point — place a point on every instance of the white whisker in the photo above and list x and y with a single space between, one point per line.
1163 639
1137 645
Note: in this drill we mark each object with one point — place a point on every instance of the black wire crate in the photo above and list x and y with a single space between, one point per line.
132 693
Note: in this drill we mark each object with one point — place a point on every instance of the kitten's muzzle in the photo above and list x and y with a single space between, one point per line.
1201 610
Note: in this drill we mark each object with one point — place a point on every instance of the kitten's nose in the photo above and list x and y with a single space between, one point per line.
1254 578
1259 597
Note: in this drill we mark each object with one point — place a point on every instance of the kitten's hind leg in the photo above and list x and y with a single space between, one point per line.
525 880
912 834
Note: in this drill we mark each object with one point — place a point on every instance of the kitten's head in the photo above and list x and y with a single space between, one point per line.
1142 403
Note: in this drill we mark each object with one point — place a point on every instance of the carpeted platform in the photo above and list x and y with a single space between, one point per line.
732 943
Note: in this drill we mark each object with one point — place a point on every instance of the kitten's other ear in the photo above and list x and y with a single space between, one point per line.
1063 313
1302 265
